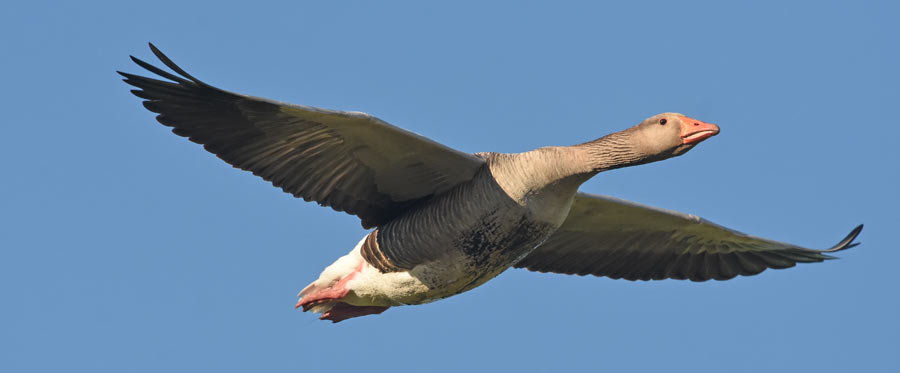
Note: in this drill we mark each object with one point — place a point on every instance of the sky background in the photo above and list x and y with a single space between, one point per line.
124 248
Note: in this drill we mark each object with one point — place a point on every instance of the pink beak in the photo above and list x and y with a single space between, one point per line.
694 131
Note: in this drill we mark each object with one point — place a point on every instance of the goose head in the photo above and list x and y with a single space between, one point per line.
659 137
670 134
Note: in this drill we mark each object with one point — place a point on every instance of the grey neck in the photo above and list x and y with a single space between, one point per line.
613 151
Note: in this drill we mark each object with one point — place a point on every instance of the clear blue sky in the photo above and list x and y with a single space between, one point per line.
124 248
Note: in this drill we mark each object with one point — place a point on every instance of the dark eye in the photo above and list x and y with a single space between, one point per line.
662 121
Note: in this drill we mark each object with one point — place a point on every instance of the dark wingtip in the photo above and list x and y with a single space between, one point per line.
158 71
154 49
168 62
847 242
129 78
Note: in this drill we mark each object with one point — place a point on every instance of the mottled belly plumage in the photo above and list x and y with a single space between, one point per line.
481 251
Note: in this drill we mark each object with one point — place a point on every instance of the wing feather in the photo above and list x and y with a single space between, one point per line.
610 237
349 161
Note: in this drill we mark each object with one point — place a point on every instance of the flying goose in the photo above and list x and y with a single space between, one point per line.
446 221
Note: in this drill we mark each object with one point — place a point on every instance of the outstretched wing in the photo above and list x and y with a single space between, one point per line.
349 161
605 236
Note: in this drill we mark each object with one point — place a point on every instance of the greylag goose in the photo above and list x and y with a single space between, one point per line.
446 221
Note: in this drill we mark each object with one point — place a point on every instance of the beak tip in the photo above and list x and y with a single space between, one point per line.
695 131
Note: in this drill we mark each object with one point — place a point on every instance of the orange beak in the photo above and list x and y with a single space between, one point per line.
694 131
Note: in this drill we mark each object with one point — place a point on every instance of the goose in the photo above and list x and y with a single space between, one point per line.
443 221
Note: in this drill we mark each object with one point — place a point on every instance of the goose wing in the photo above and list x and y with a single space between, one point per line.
605 236
350 161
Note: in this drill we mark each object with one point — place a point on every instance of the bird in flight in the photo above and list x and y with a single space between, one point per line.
443 221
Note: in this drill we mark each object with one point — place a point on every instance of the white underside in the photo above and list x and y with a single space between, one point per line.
423 284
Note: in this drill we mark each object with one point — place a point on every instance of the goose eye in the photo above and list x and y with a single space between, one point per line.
662 121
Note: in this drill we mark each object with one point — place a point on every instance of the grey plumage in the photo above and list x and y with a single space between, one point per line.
447 221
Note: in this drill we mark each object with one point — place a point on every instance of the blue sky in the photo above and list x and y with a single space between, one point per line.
124 248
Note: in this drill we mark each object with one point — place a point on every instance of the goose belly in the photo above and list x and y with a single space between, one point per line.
463 259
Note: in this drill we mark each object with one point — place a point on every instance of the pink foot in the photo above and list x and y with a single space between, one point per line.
326 295
333 294
342 311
